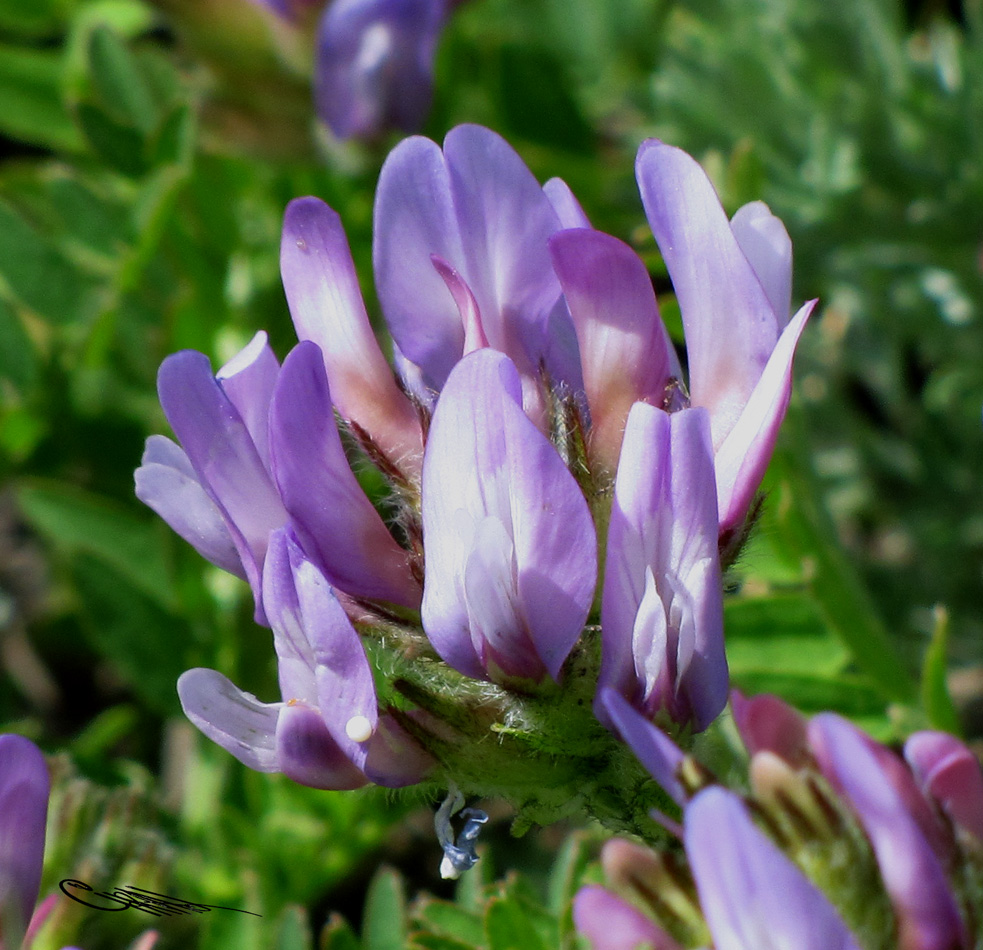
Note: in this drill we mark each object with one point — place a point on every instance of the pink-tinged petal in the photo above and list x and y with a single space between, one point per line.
326 305
414 218
166 482
333 519
565 204
767 724
308 753
507 532
731 327
949 773
662 609
248 380
768 248
395 760
744 455
623 345
652 747
928 918
374 64
474 332
24 790
753 897
224 458
231 718
611 924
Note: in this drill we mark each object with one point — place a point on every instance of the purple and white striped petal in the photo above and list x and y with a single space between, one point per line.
626 355
730 323
326 306
950 774
476 206
331 516
928 917
611 924
224 457
753 897
509 541
662 608
24 790
373 66
166 482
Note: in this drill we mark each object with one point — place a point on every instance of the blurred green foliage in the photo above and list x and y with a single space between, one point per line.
144 176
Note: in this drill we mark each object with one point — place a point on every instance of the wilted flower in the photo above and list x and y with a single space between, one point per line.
840 810
537 435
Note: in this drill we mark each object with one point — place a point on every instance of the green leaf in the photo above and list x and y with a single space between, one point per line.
78 522
384 926
449 920
31 104
119 83
512 923
337 934
936 700
173 141
565 879
18 362
428 941
30 17
120 145
294 931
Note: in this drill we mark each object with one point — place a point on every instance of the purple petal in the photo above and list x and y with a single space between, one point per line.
235 720
743 456
652 747
753 897
913 876
474 332
766 245
326 305
662 609
731 327
166 482
224 458
332 518
949 773
623 345
510 546
248 380
308 753
374 64
767 724
611 924
395 759
565 204
24 790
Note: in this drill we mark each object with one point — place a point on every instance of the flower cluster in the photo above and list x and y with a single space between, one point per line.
373 63
841 843
538 441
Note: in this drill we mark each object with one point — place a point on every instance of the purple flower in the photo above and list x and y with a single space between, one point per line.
611 924
374 64
662 609
216 490
510 548
24 790
948 773
732 280
327 731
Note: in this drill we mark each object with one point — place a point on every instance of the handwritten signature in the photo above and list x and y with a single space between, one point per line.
150 902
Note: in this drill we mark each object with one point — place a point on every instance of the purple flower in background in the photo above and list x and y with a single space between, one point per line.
662 609
327 731
510 547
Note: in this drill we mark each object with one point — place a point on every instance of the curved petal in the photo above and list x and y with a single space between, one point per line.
624 347
224 457
395 760
766 245
949 773
231 718
928 918
662 539
326 306
308 753
374 64
611 924
744 455
332 518
753 897
248 380
24 790
497 496
565 204
731 327
166 482
767 723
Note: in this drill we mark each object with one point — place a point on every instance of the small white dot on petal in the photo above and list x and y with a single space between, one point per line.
358 729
